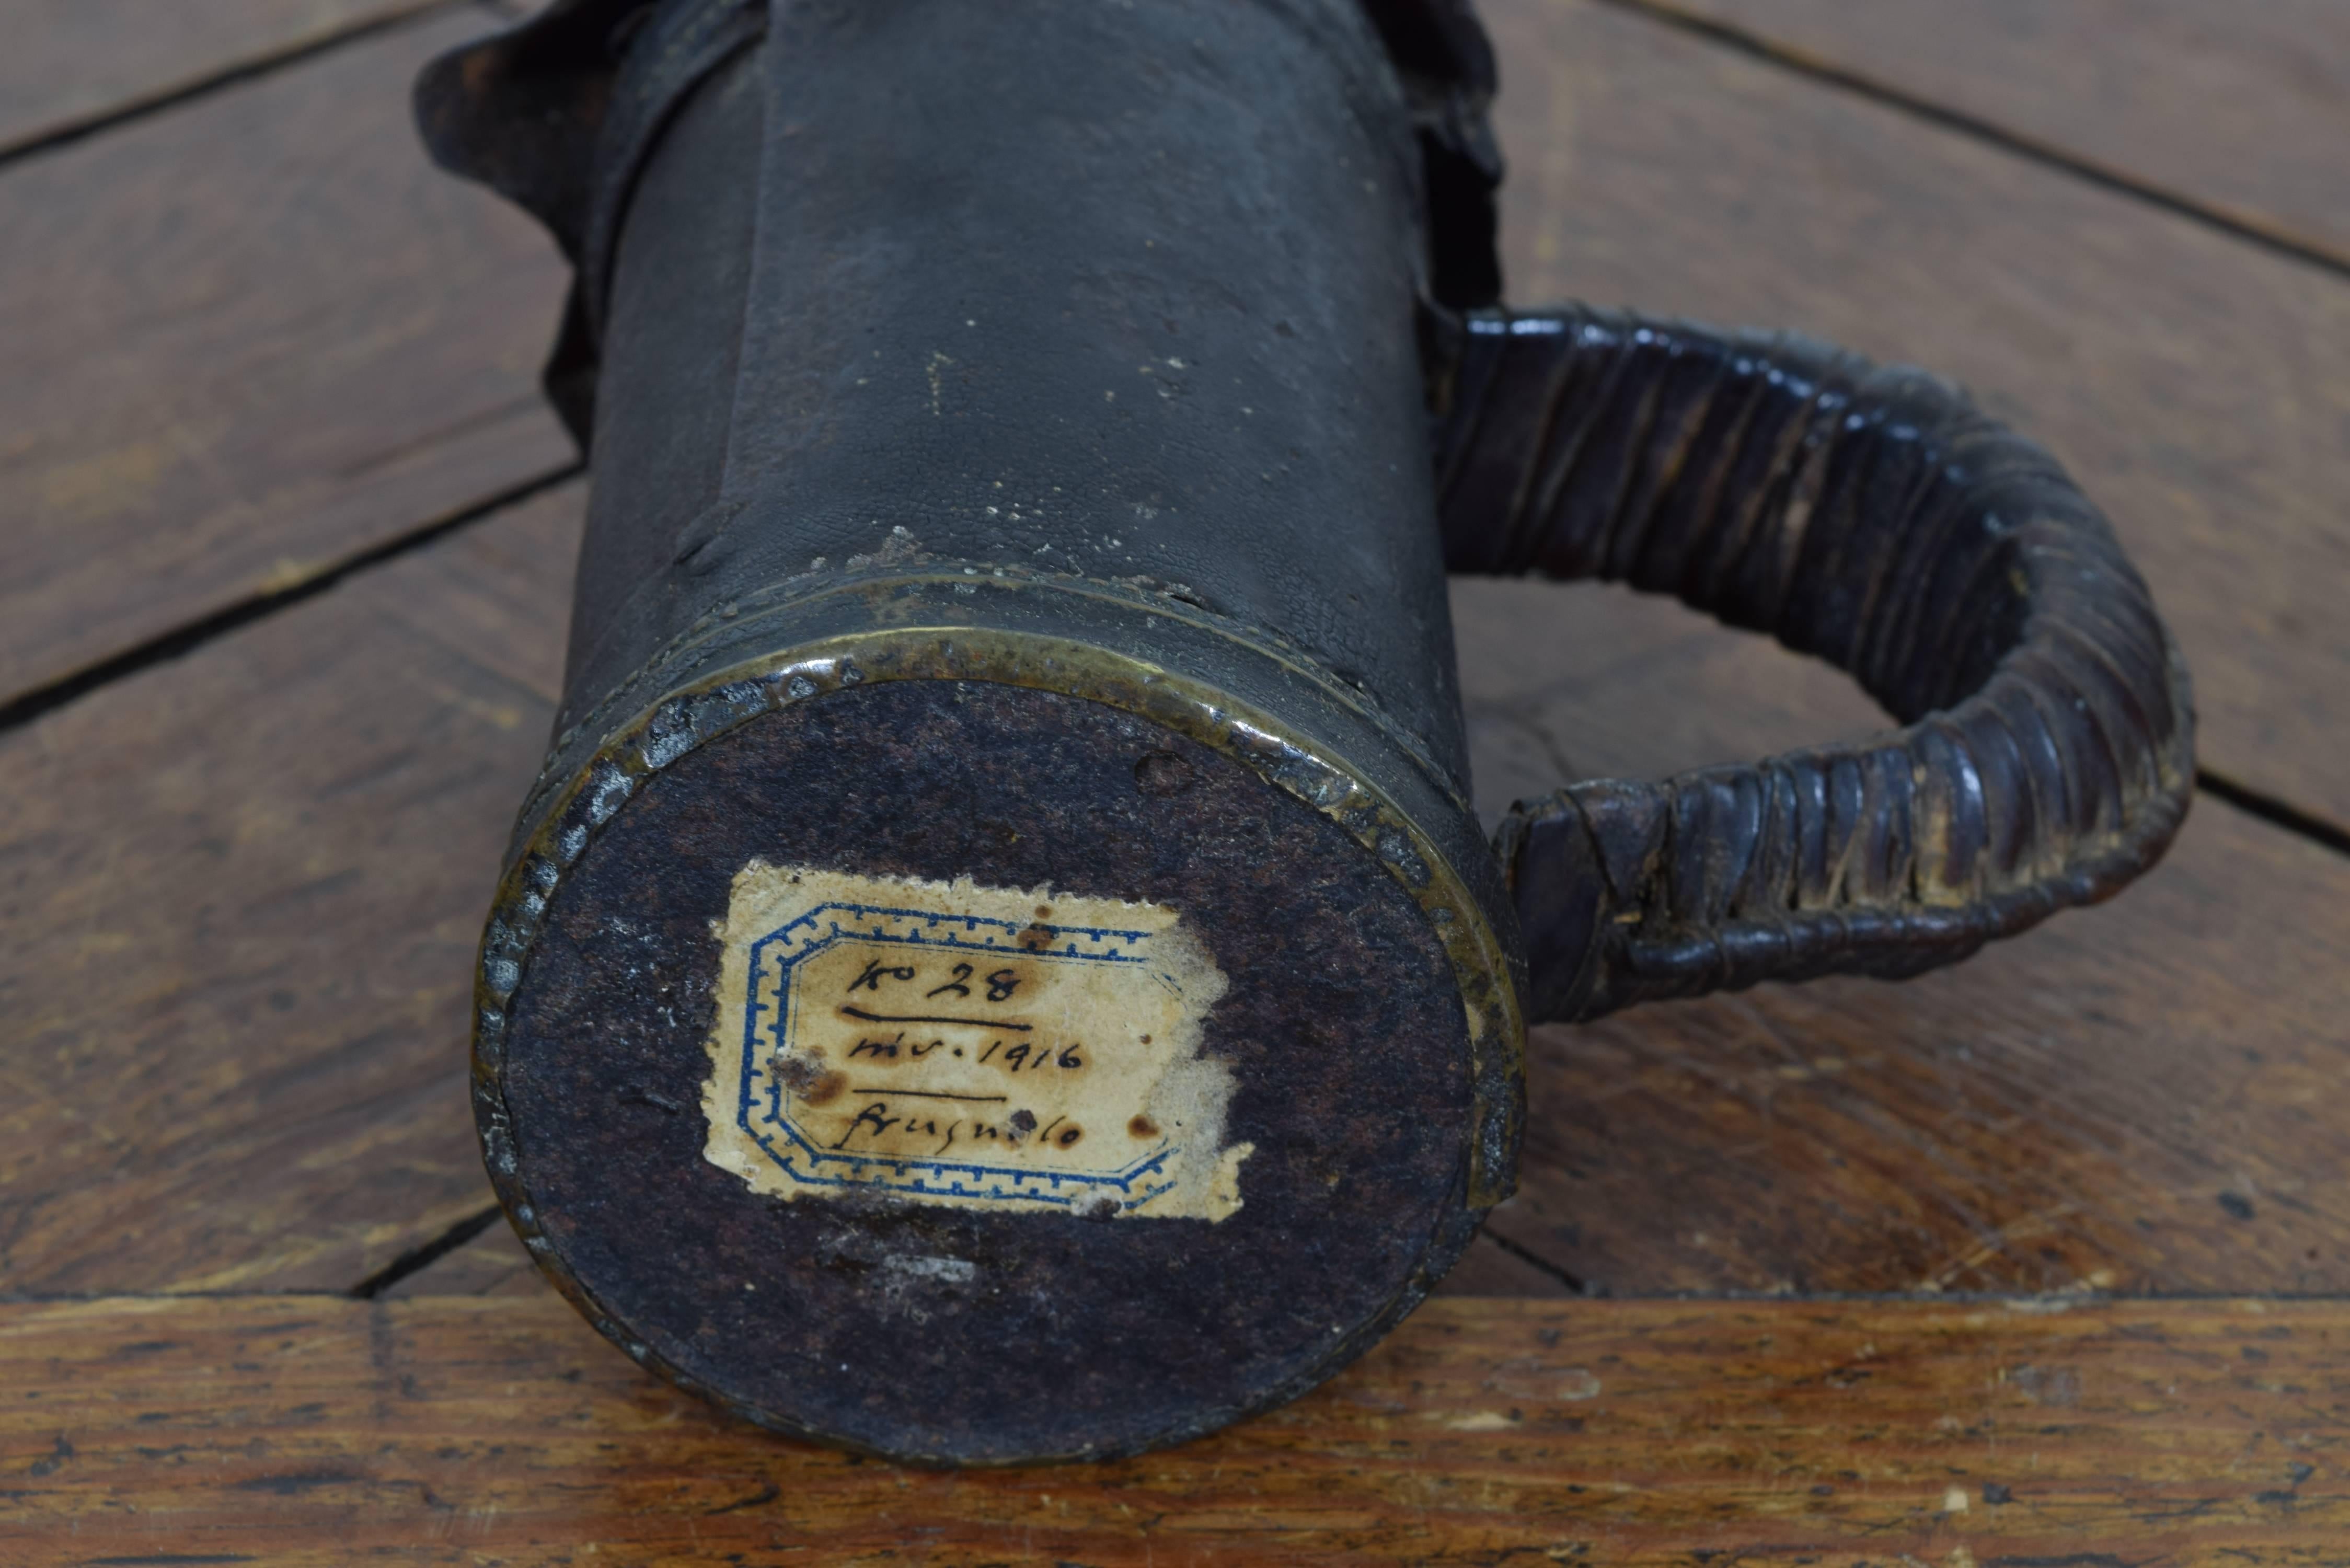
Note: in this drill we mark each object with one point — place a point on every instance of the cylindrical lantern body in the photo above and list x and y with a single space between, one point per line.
1000 964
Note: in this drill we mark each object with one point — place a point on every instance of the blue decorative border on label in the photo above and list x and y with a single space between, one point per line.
760 1107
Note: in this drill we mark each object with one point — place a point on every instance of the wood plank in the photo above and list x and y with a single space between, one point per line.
72 62
242 895
2140 1097
2199 388
2243 109
492 1264
249 337
301 1430
1489 1268
240 1147
2151 1095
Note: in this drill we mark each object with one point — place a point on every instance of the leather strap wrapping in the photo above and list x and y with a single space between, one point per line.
1871 516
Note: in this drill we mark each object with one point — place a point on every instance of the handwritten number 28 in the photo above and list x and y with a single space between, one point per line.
1000 985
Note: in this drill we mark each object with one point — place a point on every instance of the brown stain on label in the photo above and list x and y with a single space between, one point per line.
824 1089
799 1072
951 1043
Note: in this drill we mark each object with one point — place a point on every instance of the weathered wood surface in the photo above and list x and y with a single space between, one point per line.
242 893
253 334
2198 387
244 888
2241 109
2151 1095
247 337
70 62
300 1430
2092 1109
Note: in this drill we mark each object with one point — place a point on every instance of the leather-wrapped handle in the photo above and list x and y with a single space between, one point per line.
1872 516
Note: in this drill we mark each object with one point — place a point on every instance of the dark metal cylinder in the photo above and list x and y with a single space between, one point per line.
1000 964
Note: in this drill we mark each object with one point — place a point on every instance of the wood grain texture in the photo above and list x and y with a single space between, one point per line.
70 62
301 1430
242 895
2197 387
247 337
243 891
2243 109
2149 1095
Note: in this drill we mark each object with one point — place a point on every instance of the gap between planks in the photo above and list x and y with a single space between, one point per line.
81 126
2049 155
183 640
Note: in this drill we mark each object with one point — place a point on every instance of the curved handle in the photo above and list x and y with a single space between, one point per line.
1871 516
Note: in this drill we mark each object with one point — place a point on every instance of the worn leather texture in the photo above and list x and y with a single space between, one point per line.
1871 516
791 221
559 115
1125 294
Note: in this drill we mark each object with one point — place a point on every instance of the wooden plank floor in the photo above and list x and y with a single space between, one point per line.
254 337
74 67
309 1429
2041 1261
2240 112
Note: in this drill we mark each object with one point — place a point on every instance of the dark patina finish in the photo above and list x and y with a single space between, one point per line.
1871 516
981 1336
1014 470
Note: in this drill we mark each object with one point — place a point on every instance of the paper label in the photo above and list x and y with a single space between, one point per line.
975 1047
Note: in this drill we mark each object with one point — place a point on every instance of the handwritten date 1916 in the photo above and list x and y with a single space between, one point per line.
1009 1058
